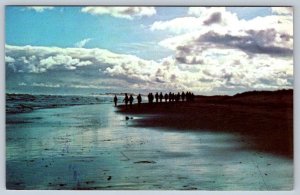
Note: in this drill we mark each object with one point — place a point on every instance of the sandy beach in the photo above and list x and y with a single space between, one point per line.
264 118
94 147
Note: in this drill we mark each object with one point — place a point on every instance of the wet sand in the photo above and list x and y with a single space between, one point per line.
93 147
265 119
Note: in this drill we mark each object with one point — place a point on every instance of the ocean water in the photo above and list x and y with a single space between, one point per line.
19 103
93 147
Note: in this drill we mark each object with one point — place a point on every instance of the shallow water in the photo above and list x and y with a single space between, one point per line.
93 147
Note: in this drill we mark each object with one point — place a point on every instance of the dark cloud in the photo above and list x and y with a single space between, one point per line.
185 55
257 42
185 60
227 76
184 49
285 37
205 80
181 60
213 18
173 77
158 80
131 10
207 72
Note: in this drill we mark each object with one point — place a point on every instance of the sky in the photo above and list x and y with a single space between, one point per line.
206 50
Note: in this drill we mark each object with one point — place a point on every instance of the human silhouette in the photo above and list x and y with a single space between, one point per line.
170 97
115 100
183 96
139 99
166 97
188 96
156 97
126 99
160 97
151 98
177 98
131 100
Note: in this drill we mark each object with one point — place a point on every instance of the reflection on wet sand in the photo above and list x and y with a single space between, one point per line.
93 147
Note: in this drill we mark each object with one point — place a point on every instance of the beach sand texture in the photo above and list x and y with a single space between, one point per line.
95 147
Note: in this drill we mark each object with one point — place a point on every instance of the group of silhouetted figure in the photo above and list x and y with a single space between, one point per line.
168 97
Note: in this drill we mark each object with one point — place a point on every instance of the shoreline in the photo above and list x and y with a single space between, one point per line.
26 103
265 119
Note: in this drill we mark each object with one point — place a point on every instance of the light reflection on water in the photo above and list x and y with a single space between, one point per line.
93 147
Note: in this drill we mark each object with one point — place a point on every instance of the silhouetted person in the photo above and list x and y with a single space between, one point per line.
139 99
151 98
170 96
126 99
131 100
115 100
156 97
177 97
188 96
183 96
160 97
166 97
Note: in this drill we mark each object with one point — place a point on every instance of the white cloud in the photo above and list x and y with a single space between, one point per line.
40 8
177 25
282 10
82 43
201 20
225 54
211 71
121 12
69 63
218 28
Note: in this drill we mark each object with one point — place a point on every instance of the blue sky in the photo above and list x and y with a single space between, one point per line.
65 26
147 48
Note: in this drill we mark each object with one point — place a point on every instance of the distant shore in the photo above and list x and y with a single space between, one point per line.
265 118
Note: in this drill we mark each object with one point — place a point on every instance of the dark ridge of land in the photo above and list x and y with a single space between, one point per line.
264 118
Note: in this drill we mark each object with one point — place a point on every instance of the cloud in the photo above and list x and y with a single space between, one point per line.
82 43
200 19
177 25
39 8
121 12
255 42
223 54
226 68
213 18
37 59
282 10
217 28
